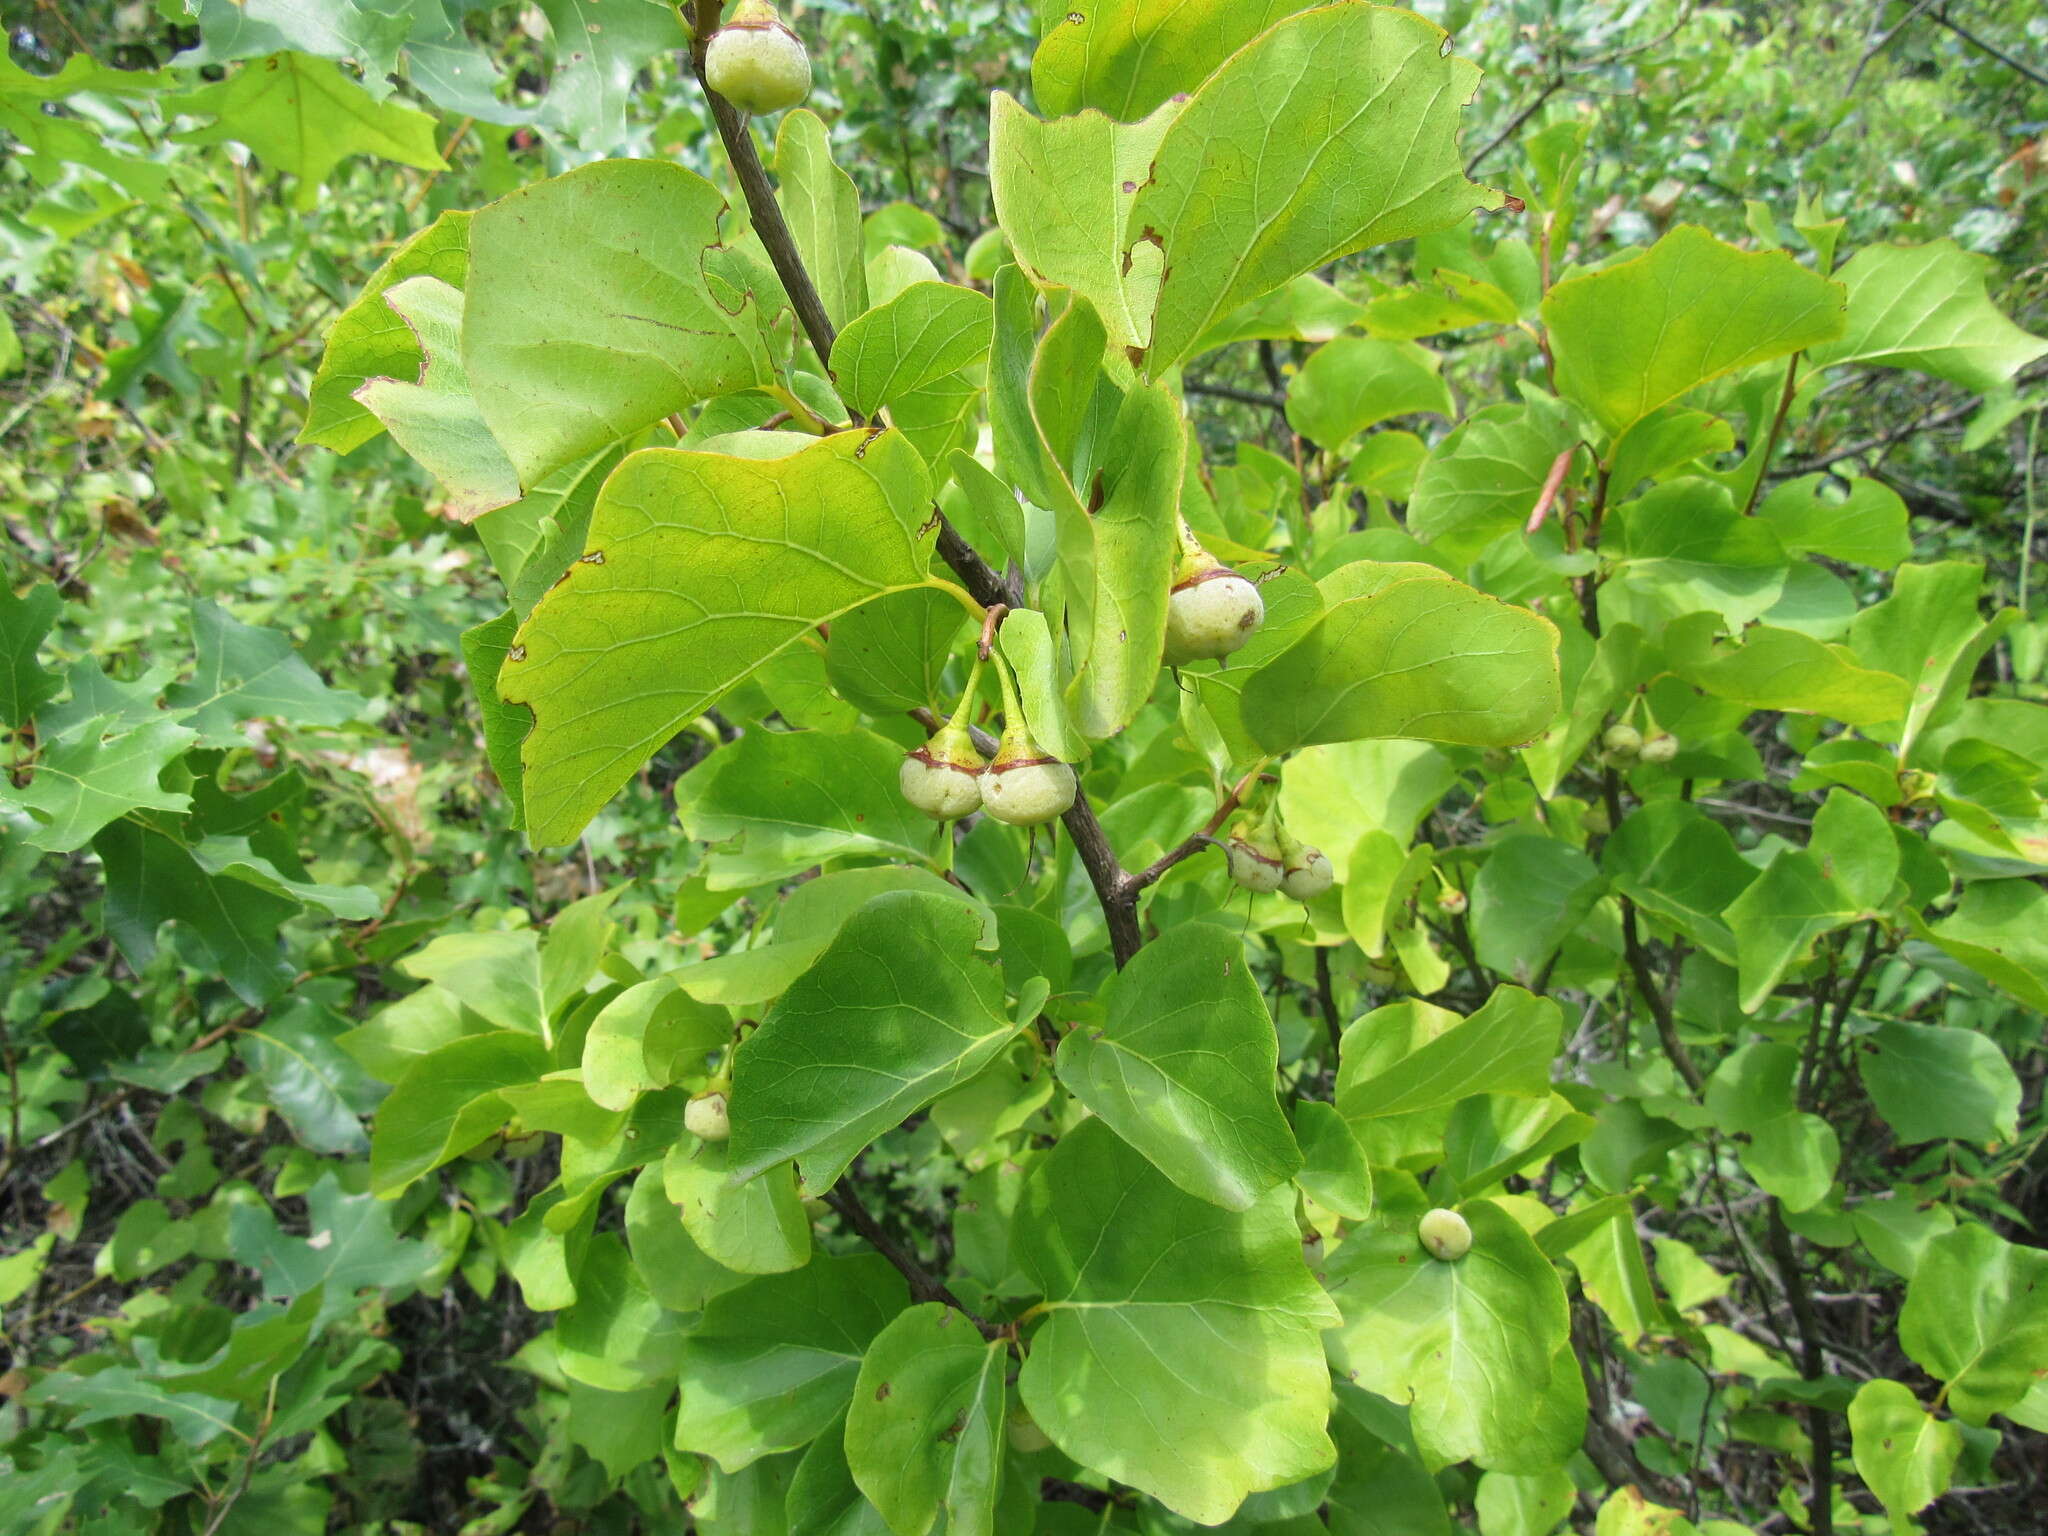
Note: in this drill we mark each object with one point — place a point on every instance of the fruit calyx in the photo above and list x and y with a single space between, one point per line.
1211 609
755 62
1258 862
1306 871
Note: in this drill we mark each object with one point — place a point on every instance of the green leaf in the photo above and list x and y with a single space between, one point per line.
1179 1349
496 975
1924 307
1681 867
305 116
1867 526
1637 335
1783 669
1424 657
823 1498
1903 1452
772 1364
888 655
25 684
96 775
432 415
898 1010
1999 930
924 333
925 1430
484 648
650 1035
153 878
350 1244
1976 1316
1506 1047
1468 1345
822 208
1334 1171
777 802
1182 1067
1929 633
591 313
370 341
121 1394
1355 382
448 1102
1512 1505
1777 918
700 567
1790 1153
1859 856
1381 1488
1064 192
1483 480
310 1080
249 673
602 47
1532 893
1685 547
1133 548
754 1227
1028 646
1126 59
1313 103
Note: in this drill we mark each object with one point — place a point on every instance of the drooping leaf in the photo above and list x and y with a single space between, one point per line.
1182 1067
1902 1451
1505 1047
1357 382
433 417
822 208
1179 1348
368 340
447 1102
700 567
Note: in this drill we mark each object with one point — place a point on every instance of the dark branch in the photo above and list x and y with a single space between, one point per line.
924 1285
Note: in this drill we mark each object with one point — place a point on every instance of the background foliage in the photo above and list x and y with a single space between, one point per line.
258 857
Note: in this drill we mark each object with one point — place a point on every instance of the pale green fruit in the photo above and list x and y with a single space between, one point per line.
1451 900
757 63
1307 873
1211 614
1023 1433
707 1117
942 778
1622 740
1254 868
1026 788
1445 1234
1660 748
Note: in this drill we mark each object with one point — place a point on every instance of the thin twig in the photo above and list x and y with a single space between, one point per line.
1941 16
924 1285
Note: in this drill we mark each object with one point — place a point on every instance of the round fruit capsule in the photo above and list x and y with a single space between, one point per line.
1622 740
757 63
1308 873
942 778
706 1116
1660 747
1212 610
1445 1234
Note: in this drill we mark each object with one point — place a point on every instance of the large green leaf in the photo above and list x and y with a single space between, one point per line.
1929 632
1179 1349
96 775
447 1102
1783 669
1924 307
898 1010
1778 916
1929 1083
1182 1067
1790 1153
1127 58
700 567
772 1363
246 672
1468 1345
753 1227
924 333
1531 894
1684 547
1976 1316
2000 930
25 684
925 1429
1679 865
1483 480
1421 656
590 312
1639 334
1865 527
